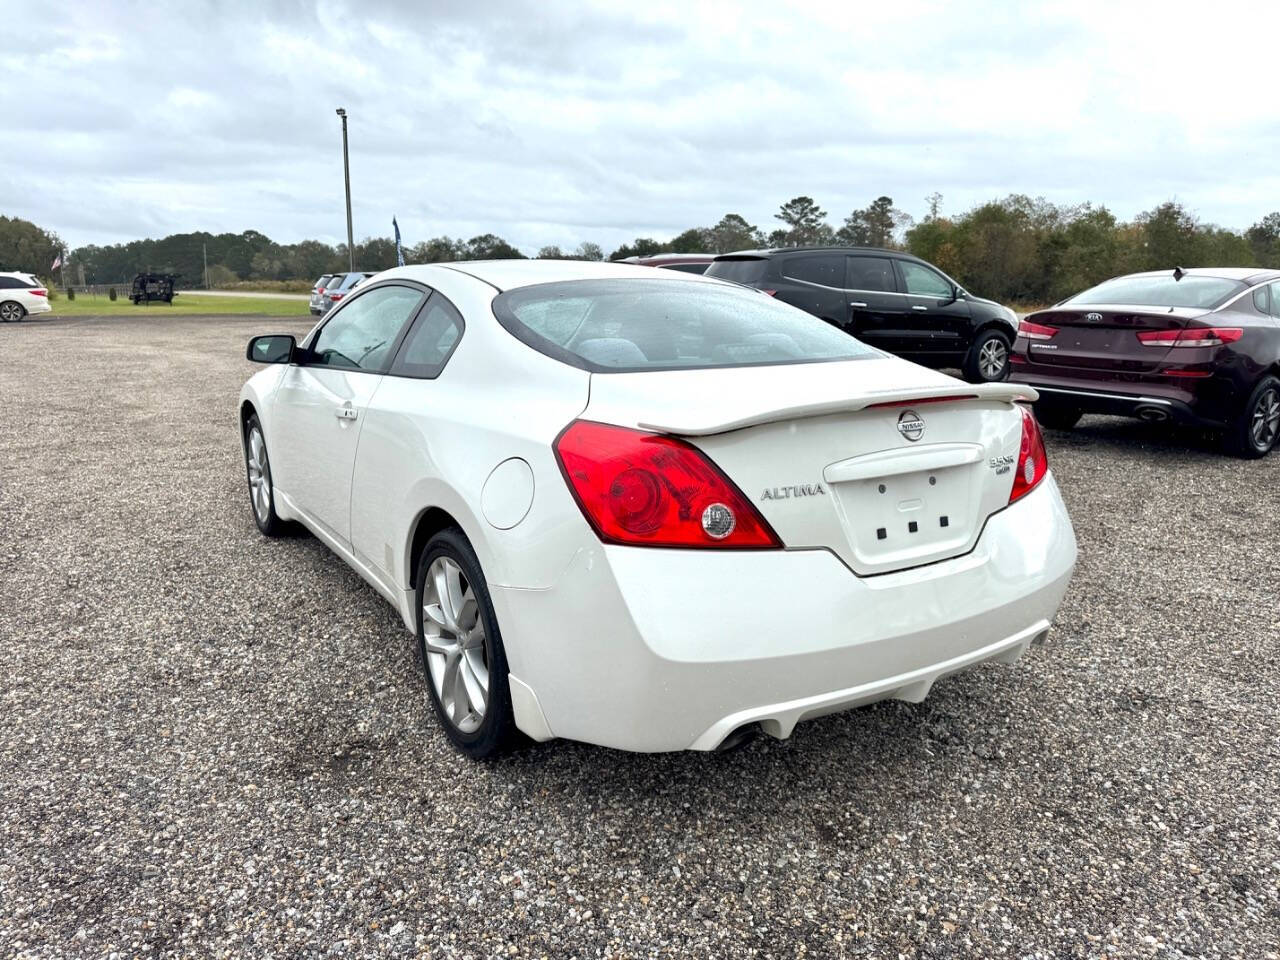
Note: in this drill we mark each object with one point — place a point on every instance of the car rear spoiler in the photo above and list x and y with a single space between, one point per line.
693 425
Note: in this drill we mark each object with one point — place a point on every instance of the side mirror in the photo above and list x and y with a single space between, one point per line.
273 348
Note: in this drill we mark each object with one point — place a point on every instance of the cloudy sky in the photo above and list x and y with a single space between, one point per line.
554 123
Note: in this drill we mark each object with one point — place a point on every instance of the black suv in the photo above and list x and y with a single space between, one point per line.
887 299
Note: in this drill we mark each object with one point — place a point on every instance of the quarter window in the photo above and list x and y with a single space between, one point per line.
870 273
1275 298
434 335
1260 300
827 271
361 333
923 282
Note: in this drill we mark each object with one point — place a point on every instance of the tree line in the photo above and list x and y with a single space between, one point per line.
1017 249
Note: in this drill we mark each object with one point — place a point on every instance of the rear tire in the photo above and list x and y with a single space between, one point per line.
988 358
1255 431
11 311
1057 417
461 646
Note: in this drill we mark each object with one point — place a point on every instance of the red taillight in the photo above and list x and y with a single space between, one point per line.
1190 337
38 293
1033 462
650 490
1036 331
335 297
770 293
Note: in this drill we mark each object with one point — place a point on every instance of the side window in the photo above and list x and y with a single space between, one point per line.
1260 301
1275 298
870 273
922 281
430 343
10 283
828 271
361 333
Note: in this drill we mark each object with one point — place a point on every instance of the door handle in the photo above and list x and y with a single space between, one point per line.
919 309
857 303
345 412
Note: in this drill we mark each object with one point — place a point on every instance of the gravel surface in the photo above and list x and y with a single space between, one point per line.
214 744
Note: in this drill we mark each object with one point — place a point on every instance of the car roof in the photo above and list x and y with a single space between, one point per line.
767 252
1249 275
510 274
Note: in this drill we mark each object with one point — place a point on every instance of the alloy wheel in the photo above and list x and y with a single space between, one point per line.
454 640
992 359
259 475
10 312
1265 422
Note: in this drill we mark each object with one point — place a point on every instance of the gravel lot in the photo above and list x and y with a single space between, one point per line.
218 745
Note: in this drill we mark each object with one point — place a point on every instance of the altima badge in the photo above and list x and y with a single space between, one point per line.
786 493
910 425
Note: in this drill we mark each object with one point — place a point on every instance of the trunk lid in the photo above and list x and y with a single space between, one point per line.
825 451
1105 337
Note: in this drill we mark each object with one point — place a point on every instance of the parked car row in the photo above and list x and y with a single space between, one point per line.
21 294
332 288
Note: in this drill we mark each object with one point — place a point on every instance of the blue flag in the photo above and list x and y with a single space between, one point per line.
399 249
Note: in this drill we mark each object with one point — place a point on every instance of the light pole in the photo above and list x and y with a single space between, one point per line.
346 176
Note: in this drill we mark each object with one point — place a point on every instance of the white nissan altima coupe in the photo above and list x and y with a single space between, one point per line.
651 510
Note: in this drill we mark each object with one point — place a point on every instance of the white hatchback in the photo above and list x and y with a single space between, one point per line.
649 510
21 294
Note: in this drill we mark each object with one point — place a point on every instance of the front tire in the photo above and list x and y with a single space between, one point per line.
11 311
461 646
1255 431
262 492
988 358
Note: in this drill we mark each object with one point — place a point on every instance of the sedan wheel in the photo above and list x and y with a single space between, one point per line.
258 467
1257 429
11 312
1265 424
453 636
461 646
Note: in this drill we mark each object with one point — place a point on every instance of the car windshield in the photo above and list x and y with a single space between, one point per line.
745 270
1160 291
628 325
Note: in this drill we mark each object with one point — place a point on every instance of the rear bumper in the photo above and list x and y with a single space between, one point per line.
1205 401
654 650
38 306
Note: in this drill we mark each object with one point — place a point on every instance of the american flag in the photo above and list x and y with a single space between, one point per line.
57 261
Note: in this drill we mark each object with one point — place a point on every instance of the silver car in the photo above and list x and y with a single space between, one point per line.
339 285
317 294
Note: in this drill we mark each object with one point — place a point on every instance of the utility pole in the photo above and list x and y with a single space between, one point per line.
346 175
205 248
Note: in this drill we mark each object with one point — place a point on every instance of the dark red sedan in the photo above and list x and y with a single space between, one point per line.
1197 346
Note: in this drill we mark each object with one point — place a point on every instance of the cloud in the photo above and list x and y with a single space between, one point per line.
561 122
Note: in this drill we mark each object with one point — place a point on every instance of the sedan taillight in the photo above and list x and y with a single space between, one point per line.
1036 331
1191 337
38 292
335 297
1033 462
644 489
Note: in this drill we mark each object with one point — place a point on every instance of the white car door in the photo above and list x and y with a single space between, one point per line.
320 404
396 448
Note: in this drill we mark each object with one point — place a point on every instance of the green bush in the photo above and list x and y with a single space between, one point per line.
111 293
71 293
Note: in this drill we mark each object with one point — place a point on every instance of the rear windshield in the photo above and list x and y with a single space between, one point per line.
618 326
739 271
1161 291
